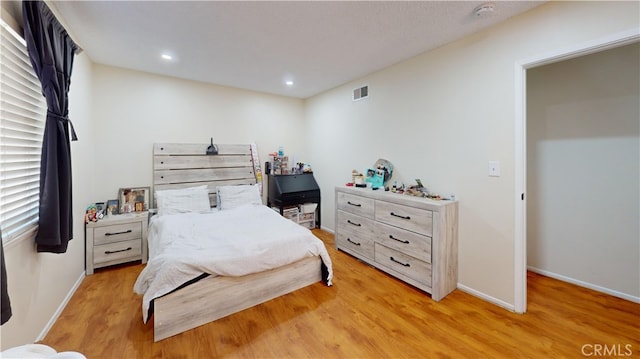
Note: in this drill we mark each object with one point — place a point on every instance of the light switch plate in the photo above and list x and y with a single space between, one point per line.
494 169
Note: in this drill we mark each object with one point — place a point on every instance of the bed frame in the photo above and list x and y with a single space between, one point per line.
187 165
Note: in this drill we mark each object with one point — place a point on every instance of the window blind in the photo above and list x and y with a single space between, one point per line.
22 115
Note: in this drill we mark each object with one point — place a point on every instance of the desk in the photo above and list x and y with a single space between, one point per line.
293 190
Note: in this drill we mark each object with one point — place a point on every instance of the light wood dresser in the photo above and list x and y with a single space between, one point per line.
116 239
414 239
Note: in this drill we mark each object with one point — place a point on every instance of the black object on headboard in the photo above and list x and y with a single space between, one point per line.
290 190
212 149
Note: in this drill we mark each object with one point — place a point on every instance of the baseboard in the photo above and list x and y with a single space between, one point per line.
61 307
588 285
488 298
330 230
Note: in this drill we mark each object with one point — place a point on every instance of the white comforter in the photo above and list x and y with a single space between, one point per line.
235 242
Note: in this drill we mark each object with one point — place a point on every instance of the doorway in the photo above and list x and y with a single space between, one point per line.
520 245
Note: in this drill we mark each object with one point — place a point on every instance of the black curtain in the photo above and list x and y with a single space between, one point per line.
5 315
51 52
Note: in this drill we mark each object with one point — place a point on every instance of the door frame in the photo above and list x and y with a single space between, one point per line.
520 152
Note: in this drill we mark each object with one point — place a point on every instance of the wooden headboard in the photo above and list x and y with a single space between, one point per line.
179 165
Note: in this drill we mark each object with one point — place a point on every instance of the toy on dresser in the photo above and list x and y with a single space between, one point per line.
93 213
375 177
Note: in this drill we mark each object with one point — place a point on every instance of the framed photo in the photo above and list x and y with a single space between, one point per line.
100 207
113 207
135 199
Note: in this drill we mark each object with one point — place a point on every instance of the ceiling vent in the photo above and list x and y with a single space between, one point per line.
361 93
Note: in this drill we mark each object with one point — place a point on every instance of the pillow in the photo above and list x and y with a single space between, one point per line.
184 200
234 196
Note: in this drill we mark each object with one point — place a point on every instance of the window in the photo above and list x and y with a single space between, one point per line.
22 115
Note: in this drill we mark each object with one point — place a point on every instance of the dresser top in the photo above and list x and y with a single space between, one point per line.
381 194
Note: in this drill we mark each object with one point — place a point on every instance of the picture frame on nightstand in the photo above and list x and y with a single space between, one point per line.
113 207
100 208
133 199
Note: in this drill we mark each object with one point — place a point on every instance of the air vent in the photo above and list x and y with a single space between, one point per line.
360 93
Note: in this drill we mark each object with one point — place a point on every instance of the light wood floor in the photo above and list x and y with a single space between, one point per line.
366 314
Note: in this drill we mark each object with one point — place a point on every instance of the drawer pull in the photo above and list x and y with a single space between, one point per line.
399 216
355 224
397 261
120 250
356 243
399 240
354 204
116 233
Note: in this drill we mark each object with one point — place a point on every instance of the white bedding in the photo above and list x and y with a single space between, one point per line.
235 242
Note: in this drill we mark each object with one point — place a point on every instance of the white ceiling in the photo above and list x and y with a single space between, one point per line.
258 45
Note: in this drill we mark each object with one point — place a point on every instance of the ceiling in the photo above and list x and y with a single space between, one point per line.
260 45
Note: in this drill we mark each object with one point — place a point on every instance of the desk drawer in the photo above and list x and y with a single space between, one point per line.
117 251
117 233
409 218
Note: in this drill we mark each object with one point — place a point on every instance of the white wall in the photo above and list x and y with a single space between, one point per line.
583 165
132 110
441 116
39 283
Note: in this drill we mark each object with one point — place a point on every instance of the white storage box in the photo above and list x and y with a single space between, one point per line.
289 212
308 207
308 224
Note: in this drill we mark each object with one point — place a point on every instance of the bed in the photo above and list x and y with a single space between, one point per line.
204 263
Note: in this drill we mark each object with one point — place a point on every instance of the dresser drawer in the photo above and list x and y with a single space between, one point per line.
356 243
410 218
410 243
411 267
355 204
117 232
355 233
117 251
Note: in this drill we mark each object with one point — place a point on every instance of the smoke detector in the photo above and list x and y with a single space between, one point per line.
484 10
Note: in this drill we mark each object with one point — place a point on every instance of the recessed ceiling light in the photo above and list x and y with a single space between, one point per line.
166 56
288 83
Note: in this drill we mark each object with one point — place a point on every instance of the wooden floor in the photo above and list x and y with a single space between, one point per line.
366 314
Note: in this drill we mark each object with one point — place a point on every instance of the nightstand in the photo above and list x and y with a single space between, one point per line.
116 239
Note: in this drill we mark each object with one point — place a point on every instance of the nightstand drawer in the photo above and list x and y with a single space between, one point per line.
117 232
411 267
117 251
410 218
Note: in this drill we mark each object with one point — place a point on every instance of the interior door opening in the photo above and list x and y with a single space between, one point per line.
521 67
